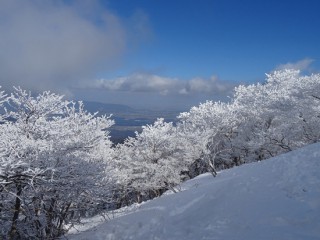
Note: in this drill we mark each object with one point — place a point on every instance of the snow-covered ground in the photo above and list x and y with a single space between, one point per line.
277 198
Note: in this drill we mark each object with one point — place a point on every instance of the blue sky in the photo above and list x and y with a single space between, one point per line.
151 53
237 40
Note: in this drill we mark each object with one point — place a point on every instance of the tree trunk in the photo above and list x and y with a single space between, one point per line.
13 231
50 216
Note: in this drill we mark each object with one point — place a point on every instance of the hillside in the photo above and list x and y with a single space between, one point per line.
274 199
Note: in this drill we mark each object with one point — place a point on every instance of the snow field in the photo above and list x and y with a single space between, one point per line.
277 198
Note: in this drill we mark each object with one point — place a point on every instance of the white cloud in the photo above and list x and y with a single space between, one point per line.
137 82
302 65
183 91
203 85
54 44
142 82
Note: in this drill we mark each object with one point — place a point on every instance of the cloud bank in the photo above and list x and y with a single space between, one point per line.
54 44
143 82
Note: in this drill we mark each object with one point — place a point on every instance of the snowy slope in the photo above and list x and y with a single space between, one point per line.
274 199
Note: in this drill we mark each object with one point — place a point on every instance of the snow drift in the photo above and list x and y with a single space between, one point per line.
277 198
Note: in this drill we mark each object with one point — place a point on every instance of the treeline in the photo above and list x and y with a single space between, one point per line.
57 163
259 122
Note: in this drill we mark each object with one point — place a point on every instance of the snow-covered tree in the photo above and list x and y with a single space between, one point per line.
51 166
260 121
208 128
155 160
281 114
